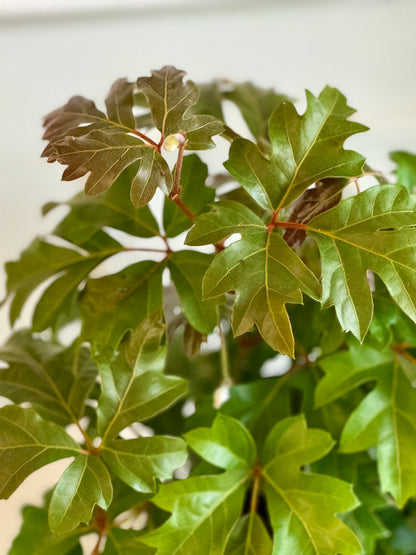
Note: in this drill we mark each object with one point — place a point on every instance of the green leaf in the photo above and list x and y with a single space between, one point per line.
226 217
362 472
406 169
35 536
54 380
40 261
138 462
194 194
84 484
265 274
112 208
143 349
106 305
153 172
139 399
169 99
187 269
259 404
262 179
306 149
376 230
386 418
27 442
256 105
125 542
130 392
249 537
199 129
205 508
303 506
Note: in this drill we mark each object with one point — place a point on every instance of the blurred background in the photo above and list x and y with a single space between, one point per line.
53 49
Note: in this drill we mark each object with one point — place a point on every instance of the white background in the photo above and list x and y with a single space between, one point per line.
367 49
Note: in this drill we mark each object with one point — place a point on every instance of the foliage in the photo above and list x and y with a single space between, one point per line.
246 386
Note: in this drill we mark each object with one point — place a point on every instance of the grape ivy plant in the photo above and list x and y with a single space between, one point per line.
241 378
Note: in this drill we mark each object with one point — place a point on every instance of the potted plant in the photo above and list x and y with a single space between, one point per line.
241 379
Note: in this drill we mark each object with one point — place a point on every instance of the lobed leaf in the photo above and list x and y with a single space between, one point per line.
374 230
88 142
169 99
249 537
105 154
406 169
303 506
265 275
27 442
118 303
225 218
134 392
187 269
125 542
56 381
35 525
386 417
256 105
84 484
153 172
119 103
205 508
113 208
306 149
138 462
78 111
43 260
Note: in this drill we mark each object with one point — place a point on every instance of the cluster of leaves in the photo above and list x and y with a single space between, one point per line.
316 461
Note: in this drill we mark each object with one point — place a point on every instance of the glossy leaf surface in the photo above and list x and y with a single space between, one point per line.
386 418
27 442
112 208
374 230
187 269
302 505
139 461
40 261
54 380
249 537
85 483
107 305
204 508
169 99
306 149
265 275
36 525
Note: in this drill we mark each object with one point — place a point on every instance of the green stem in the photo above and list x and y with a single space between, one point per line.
225 363
229 134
